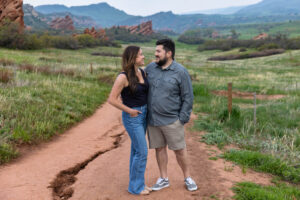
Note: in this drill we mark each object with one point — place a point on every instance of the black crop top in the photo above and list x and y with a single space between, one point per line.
139 98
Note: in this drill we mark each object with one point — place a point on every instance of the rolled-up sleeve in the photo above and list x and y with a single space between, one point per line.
187 97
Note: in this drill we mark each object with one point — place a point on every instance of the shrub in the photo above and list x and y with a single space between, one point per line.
268 46
12 37
32 42
196 36
190 40
86 40
64 42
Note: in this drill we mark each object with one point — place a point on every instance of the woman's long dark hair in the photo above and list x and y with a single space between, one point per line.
128 62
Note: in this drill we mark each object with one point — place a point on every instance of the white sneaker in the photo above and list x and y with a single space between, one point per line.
190 184
160 184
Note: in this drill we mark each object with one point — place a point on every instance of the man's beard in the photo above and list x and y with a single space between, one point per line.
162 62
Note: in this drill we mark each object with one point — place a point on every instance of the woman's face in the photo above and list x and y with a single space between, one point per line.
140 59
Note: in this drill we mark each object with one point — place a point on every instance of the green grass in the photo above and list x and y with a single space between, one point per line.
264 163
217 137
251 191
248 31
36 106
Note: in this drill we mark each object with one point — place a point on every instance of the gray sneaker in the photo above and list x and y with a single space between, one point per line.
190 184
160 184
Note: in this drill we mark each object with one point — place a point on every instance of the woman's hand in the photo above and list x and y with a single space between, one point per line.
134 113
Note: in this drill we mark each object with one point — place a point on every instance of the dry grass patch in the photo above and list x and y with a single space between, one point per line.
248 95
6 75
5 62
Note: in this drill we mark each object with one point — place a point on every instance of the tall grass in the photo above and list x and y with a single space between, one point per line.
45 97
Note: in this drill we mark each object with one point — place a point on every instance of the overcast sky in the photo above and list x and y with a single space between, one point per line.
148 7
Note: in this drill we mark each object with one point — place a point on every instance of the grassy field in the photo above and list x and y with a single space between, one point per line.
35 106
248 31
38 103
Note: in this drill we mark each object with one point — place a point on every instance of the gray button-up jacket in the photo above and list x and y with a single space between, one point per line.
170 94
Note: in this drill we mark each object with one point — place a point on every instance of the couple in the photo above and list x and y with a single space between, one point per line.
159 100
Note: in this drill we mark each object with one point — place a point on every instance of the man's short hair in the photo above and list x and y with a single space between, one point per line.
168 45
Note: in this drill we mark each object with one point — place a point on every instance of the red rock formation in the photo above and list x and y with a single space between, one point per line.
143 28
261 36
12 10
96 34
63 23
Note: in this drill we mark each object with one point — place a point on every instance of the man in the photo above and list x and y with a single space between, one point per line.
170 102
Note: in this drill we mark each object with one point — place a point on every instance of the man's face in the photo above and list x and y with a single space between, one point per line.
160 55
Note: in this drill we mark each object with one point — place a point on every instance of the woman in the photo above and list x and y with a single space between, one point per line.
132 85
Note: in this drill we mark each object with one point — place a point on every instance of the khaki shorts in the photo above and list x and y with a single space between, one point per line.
171 135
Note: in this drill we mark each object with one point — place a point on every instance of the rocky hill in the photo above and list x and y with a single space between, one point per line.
272 7
12 10
37 20
104 14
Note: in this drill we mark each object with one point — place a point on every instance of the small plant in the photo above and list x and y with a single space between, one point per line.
218 137
229 168
213 158
225 115
244 169
6 153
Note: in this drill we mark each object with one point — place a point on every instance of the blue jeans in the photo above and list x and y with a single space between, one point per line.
136 128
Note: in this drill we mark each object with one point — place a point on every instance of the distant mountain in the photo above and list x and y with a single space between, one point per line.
106 16
34 19
38 20
48 9
181 23
272 7
102 13
221 11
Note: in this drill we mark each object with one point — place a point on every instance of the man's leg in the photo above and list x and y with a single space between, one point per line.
174 134
162 161
182 159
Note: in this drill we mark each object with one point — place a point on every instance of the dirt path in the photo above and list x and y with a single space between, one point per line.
91 160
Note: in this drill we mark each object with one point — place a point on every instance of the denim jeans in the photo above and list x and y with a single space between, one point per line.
136 128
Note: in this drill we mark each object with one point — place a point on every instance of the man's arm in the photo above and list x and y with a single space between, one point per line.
187 97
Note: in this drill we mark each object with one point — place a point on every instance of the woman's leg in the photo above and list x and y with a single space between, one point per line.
139 152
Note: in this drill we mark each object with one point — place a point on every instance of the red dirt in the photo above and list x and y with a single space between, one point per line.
91 161
248 95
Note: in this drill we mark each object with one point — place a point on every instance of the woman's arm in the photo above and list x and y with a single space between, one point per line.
113 99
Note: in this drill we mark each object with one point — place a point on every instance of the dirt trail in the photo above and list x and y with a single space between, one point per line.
91 161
